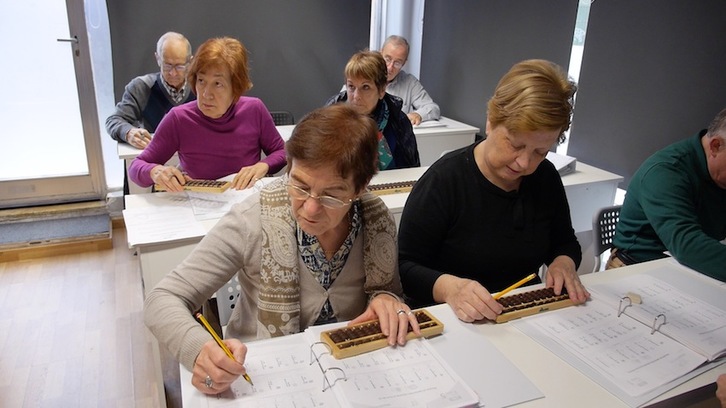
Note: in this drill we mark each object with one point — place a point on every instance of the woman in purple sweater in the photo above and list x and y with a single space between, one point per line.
219 134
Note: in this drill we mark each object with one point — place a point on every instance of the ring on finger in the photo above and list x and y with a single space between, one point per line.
208 382
400 311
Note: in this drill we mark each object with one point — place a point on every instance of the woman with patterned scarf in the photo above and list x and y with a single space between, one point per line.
366 77
312 247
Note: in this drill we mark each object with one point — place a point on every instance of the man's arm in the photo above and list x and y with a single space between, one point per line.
128 112
422 102
668 199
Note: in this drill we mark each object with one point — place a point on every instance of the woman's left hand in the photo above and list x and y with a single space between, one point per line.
562 272
247 176
394 317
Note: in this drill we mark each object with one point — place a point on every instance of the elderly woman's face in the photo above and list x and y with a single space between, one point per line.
511 155
214 91
363 95
310 213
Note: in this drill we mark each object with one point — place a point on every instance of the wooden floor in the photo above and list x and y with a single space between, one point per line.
72 332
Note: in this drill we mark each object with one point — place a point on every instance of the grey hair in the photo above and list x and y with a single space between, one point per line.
718 125
172 36
397 40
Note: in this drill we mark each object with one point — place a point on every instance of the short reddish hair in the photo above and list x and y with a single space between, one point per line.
223 52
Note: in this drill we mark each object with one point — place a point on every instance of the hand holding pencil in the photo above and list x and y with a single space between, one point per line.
216 366
469 300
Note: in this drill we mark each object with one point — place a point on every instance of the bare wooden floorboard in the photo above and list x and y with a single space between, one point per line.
73 333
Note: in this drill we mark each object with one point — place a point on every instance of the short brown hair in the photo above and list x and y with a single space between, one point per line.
340 136
368 65
223 52
533 95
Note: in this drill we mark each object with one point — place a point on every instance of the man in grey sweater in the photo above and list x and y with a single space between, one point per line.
149 97
417 103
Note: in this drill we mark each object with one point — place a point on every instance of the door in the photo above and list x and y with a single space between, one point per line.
50 149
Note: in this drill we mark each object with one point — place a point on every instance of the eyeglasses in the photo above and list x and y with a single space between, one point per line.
396 64
180 68
333 203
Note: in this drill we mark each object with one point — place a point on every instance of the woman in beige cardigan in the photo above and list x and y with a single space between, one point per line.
311 248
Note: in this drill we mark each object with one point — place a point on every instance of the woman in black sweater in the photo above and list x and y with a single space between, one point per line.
485 216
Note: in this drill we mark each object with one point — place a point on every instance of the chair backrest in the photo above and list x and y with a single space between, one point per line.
227 298
603 230
282 118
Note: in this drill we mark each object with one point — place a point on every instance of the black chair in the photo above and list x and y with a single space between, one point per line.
603 230
282 118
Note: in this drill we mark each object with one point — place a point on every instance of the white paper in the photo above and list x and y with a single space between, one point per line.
620 349
292 373
687 319
429 124
563 164
161 224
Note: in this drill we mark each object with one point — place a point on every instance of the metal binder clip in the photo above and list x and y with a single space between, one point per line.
622 308
656 326
327 384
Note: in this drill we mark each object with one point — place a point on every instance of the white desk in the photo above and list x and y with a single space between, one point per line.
561 384
587 189
432 141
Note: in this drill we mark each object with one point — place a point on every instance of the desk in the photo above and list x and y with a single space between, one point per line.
432 141
561 384
588 188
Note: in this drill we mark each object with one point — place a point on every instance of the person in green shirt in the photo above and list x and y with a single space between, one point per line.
676 202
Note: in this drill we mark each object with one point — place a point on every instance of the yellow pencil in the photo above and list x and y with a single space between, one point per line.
515 286
221 344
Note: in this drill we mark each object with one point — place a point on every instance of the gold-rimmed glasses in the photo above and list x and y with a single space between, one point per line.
297 193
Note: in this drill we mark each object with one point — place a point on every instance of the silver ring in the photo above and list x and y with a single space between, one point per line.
410 312
208 382
401 311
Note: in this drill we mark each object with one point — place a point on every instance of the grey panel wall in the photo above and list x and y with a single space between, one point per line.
468 46
652 74
298 49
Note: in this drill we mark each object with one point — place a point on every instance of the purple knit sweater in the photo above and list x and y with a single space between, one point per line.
212 148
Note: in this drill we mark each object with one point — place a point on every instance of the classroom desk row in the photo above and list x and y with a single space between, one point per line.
484 355
588 188
433 138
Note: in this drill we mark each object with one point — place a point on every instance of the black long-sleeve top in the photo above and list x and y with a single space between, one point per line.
457 222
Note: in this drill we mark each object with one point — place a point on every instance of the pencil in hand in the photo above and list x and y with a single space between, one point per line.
219 341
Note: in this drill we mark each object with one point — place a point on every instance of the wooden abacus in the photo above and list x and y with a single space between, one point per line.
364 337
392 188
204 186
532 302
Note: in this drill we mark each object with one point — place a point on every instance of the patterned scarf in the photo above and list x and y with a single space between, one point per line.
279 295
385 157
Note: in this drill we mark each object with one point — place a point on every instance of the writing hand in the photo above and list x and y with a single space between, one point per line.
415 118
469 300
169 178
138 137
212 361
